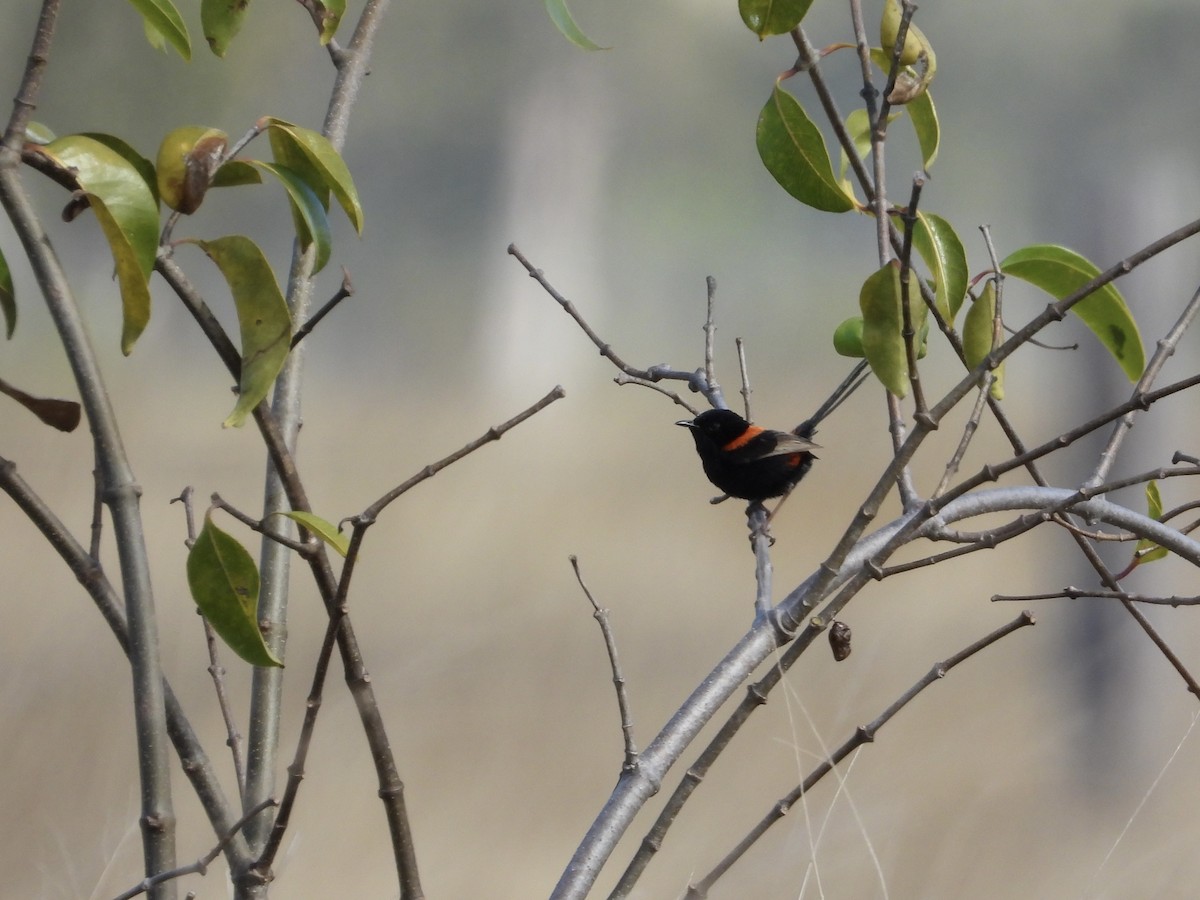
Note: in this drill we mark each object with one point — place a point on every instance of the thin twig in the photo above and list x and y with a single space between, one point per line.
760 541
710 333
745 374
312 706
622 378
907 9
195 763
200 866
1164 351
968 433
908 331
215 669
1074 593
346 290
610 644
863 735
119 486
492 434
696 381
304 548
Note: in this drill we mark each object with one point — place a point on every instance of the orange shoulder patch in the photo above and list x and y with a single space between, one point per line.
744 438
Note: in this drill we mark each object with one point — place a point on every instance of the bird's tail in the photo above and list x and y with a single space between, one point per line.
857 376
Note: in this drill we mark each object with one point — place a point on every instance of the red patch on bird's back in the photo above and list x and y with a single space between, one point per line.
751 432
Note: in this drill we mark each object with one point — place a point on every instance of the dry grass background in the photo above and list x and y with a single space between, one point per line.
1012 778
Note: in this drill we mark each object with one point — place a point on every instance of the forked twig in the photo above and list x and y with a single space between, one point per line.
200 866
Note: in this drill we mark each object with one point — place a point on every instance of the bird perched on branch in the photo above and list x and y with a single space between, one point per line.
754 463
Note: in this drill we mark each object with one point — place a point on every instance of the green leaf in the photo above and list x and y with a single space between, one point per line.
144 167
981 336
793 150
161 18
939 246
858 126
767 17
308 214
883 325
848 338
37 133
331 17
224 583
1061 272
127 212
262 313
1148 551
312 157
925 123
221 20
323 529
236 172
563 21
8 299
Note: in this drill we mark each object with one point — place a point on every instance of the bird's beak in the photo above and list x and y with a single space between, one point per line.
686 423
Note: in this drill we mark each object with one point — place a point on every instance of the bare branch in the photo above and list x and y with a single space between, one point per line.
346 290
1074 593
200 866
863 735
610 644
371 513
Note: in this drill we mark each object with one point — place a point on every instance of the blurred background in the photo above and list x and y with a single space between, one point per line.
1060 762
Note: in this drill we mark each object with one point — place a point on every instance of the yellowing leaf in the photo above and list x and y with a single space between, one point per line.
322 528
127 212
224 583
263 315
187 158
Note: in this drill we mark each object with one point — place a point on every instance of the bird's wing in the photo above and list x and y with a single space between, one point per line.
786 444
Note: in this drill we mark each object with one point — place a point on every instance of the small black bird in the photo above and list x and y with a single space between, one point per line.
754 463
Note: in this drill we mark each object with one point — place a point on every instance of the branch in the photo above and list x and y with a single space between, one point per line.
696 381
610 644
194 761
25 101
864 557
371 513
119 488
863 735
346 290
1164 351
200 866
1074 593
